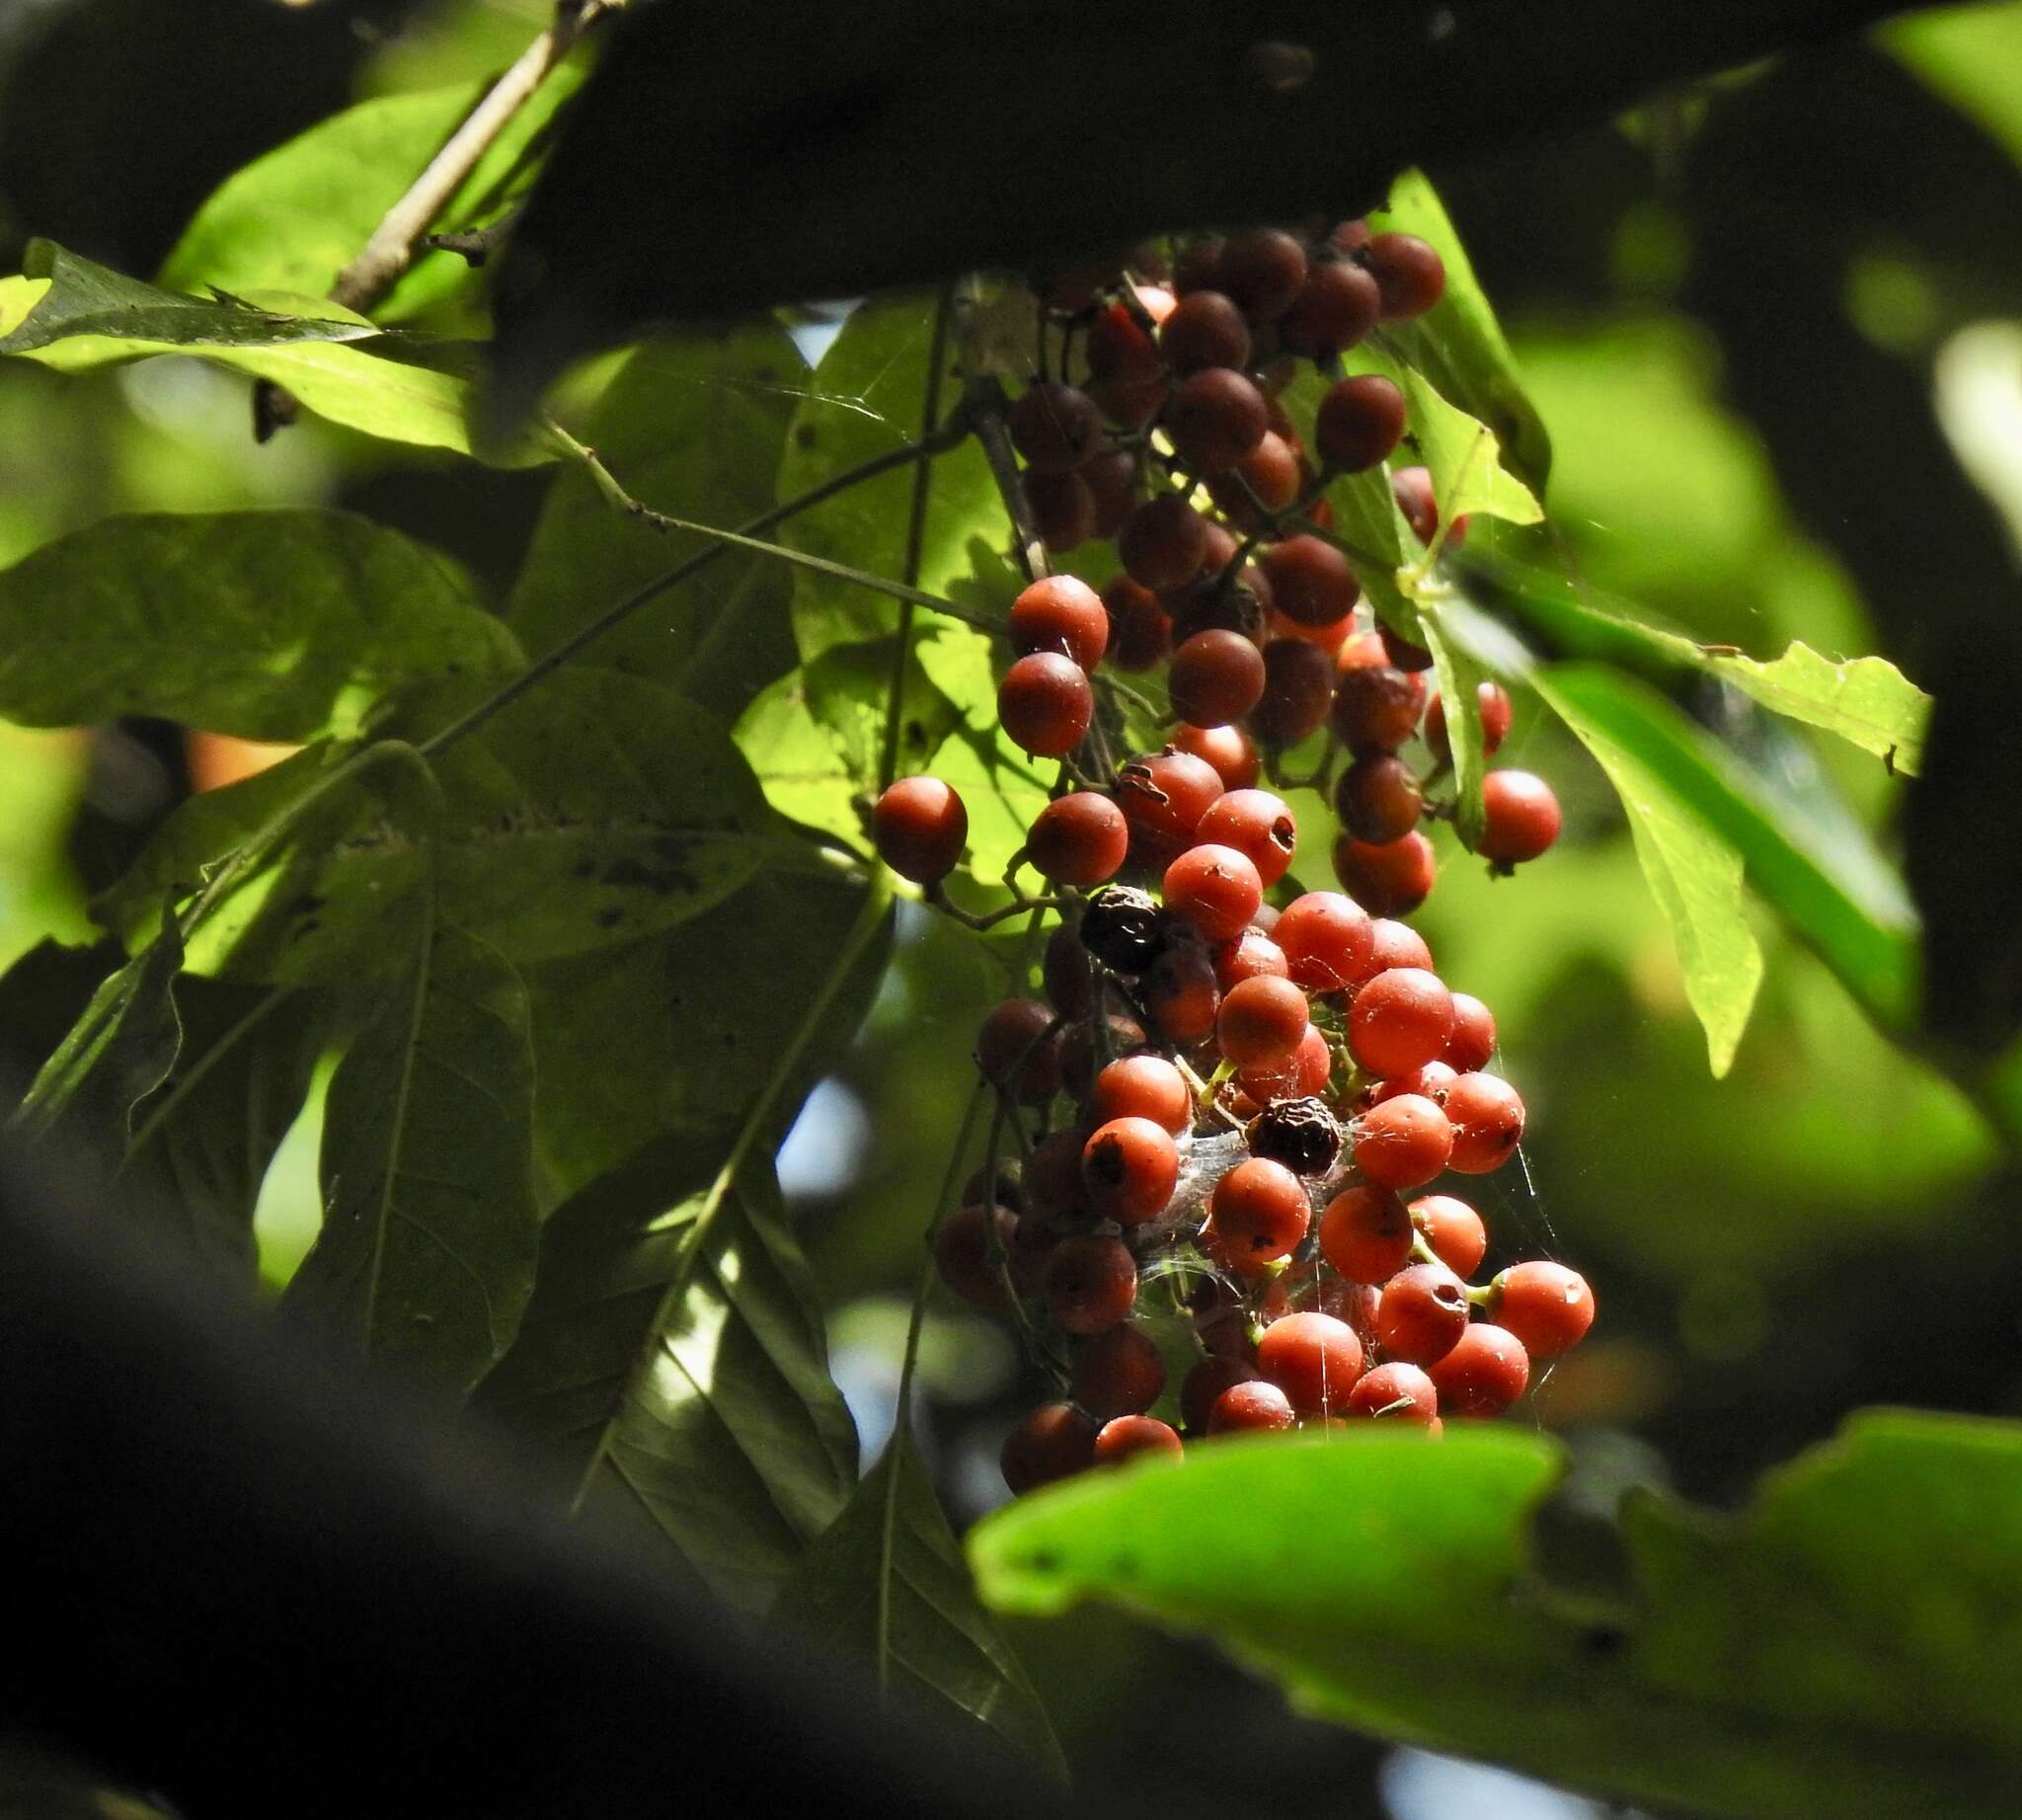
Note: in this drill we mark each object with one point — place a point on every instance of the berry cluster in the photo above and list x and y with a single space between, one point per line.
1219 1115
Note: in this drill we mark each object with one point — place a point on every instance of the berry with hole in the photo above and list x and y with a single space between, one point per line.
1421 1315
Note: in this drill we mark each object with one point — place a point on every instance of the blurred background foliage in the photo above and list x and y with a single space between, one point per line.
1830 1226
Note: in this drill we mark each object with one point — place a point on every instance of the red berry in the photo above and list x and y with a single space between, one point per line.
1197 266
1235 758
1409 275
1129 1170
1403 1143
1337 306
1066 978
1206 1383
1432 1079
1473 1040
1302 1077
1144 1087
1422 1313
1045 704
1399 1021
1091 1283
1205 329
1254 1405
1163 798
1360 419
1326 940
1055 1442
1216 417
1376 706
1493 706
1217 677
1118 1373
1163 542
1112 479
1131 1435
1378 798
1310 579
1548 1306
1366 1234
1055 427
1140 634
1119 347
961 1253
1486 1372
920 826
1396 1392
1264 271
1412 487
1079 839
1298 690
1179 993
1258 825
1253 955
1214 889
1064 508
1262 1022
1454 1230
1487 1115
1016 1052
1398 944
1087 1047
1313 1359
1402 652
1521 816
1392 879
1259 1213
1053 1174
1060 613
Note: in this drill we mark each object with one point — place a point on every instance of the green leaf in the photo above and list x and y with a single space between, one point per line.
865 399
427 1253
295 218
331 361
1464 457
202 1142
275 625
1847 1645
1460 677
694 426
1458 346
1844 902
1001 786
1693 873
887 1585
673 1363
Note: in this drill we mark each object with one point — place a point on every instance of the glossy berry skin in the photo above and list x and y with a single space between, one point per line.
1205 329
1412 487
961 1253
1254 1405
1548 1306
1140 634
1392 879
1163 798
1338 305
1366 1234
1376 706
1259 1213
1299 691
1421 1315
1400 1020
1128 1436
1398 944
1214 889
1015 1052
1487 1116
1454 1230
1396 1392
1216 417
1310 579
1263 272
1045 704
1060 613
1304 1075
1206 1383
1486 1370
1261 1021
1493 706
1258 825
1130 1168
1079 839
1118 1373
1432 1079
1236 760
1055 426
1409 275
1403 1143
920 826
1473 1040
1313 1359
1360 419
1252 955
1179 993
1326 940
1143 1087
1091 1283
1217 677
1055 1442
1163 542
1521 816
1378 798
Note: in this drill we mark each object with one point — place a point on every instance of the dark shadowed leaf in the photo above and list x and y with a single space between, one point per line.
275 625
1848 1644
888 1586
427 1253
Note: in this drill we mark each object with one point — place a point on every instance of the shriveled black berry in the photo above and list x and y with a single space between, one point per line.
1301 1134
1121 928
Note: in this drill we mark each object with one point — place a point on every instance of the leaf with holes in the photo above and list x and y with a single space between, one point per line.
428 1247
887 1584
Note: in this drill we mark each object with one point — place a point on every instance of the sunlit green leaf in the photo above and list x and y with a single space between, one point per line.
1867 701
1460 677
1464 458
